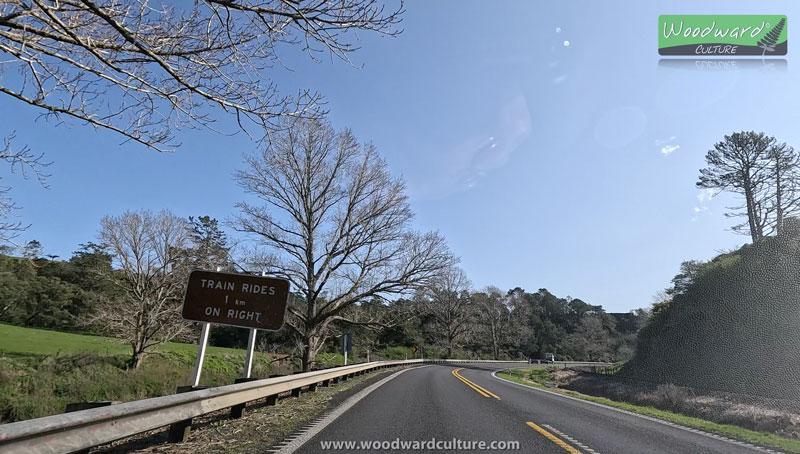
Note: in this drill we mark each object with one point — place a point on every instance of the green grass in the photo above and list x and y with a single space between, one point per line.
18 339
536 377
41 371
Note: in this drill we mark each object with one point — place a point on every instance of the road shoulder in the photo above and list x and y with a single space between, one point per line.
760 441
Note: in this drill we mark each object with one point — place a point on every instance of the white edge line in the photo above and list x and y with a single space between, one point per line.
570 439
649 418
322 423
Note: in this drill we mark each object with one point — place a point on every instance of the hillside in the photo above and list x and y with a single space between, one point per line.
735 329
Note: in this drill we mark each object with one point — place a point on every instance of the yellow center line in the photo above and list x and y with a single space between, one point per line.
481 390
554 439
478 386
455 374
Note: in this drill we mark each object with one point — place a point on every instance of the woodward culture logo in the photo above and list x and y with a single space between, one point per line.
686 34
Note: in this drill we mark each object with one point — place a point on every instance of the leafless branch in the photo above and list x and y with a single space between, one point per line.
145 69
334 223
27 164
146 248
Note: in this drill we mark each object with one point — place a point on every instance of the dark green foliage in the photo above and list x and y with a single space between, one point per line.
569 328
734 329
631 322
682 281
33 293
54 294
209 249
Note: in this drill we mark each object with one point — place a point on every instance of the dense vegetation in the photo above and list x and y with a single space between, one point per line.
65 295
55 294
731 324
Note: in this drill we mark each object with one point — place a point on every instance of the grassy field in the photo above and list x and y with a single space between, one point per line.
17 339
537 377
41 371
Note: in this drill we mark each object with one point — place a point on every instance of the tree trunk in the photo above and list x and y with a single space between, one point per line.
136 359
310 347
495 350
449 347
755 231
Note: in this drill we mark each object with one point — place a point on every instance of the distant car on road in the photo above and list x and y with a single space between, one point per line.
549 358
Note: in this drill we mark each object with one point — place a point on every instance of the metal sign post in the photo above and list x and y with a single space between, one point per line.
248 358
201 353
347 345
251 347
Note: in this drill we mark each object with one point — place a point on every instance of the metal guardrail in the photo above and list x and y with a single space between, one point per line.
84 429
70 432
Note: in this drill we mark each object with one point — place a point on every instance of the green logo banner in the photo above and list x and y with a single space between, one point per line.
722 35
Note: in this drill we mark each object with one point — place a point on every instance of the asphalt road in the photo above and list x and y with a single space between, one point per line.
471 405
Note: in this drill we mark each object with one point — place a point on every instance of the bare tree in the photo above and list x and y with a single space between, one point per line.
146 248
143 68
334 223
450 305
494 315
28 164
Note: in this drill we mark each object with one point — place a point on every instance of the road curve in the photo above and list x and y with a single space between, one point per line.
467 403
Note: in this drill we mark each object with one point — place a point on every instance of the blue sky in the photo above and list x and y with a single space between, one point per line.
544 140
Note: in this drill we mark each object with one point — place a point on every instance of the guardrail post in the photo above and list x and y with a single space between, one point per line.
296 392
272 400
312 387
179 431
237 411
325 383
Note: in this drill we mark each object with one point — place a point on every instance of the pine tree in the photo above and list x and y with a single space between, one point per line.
209 245
737 164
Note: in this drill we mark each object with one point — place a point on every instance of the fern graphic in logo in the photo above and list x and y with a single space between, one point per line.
768 42
722 35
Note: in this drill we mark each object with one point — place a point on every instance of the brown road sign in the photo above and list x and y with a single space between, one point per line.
236 299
